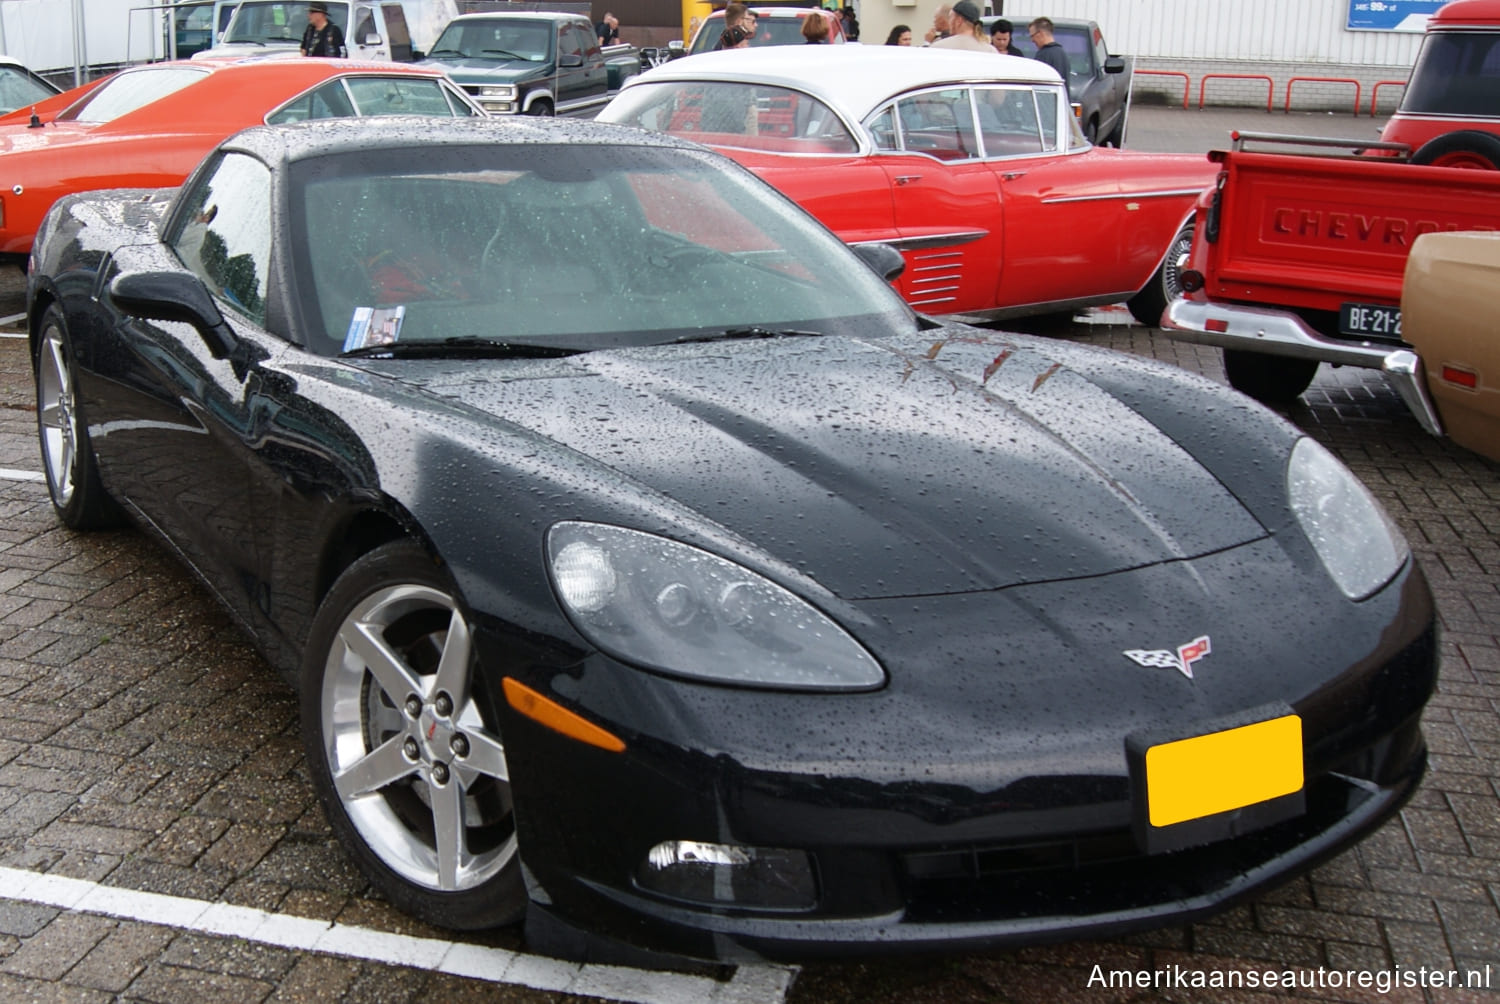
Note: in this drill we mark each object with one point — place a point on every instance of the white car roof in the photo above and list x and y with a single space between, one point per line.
854 79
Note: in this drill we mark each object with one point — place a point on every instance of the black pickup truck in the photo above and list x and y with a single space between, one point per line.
532 63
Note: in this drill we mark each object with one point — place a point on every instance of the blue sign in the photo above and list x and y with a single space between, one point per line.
1391 15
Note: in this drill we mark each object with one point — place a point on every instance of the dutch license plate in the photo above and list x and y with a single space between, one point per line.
1206 775
1375 320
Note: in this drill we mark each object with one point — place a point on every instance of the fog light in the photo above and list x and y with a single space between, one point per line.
730 875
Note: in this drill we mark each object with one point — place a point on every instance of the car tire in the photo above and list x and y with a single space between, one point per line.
1465 148
1116 137
1166 282
540 107
78 495
1268 378
402 746
1091 132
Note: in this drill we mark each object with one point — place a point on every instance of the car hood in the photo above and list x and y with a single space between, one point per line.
962 462
487 70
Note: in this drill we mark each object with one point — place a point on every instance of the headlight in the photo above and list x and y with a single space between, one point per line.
505 92
1358 543
664 605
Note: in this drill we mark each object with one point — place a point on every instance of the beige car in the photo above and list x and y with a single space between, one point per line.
1447 315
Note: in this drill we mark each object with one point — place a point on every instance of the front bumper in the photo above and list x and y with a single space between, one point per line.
1270 331
942 831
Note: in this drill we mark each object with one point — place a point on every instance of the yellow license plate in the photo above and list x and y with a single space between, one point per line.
1205 775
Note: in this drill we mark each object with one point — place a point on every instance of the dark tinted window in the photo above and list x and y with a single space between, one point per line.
224 233
1456 74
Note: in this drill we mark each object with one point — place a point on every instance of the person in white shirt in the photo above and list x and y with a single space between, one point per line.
967 32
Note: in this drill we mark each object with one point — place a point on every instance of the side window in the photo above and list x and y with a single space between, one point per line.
327 101
1047 101
1008 121
585 39
939 123
398 96
364 26
1100 52
567 43
224 233
457 106
882 126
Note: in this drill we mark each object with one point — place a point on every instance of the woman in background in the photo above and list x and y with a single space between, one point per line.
900 35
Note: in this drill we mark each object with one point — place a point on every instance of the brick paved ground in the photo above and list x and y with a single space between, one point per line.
144 746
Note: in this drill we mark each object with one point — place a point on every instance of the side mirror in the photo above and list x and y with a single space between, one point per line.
1114 64
371 39
885 260
174 296
570 60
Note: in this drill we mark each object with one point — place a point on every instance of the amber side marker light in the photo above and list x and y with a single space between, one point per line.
558 718
1467 379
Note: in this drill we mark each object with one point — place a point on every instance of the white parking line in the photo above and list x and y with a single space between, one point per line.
10 474
12 334
749 985
13 319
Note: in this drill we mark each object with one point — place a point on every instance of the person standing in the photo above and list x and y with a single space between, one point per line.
734 14
1000 32
967 32
940 24
815 29
608 30
1048 49
900 35
322 37
849 23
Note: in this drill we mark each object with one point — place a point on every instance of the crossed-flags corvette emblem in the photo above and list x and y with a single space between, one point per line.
1181 660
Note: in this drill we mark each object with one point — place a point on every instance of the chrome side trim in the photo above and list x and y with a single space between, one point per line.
1404 369
1267 330
930 241
1117 196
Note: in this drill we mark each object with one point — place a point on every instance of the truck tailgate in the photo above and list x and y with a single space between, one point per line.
1315 232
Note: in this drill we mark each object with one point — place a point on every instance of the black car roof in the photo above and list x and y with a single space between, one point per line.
323 137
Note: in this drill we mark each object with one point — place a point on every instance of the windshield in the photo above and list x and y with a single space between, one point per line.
744 115
128 91
278 23
499 39
1457 73
575 247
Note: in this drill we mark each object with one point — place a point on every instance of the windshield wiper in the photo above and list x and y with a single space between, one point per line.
750 332
449 52
460 345
501 52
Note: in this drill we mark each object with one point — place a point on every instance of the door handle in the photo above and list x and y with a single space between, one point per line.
1013 175
907 179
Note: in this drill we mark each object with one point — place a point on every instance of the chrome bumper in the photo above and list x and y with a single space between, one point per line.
1283 333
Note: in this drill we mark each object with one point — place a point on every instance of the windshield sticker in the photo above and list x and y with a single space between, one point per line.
374 326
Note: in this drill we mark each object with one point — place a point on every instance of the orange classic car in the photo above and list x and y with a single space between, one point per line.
149 126
970 163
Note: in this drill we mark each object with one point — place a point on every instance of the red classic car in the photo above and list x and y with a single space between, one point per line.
148 127
970 163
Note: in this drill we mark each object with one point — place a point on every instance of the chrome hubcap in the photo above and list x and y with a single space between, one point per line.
417 767
56 416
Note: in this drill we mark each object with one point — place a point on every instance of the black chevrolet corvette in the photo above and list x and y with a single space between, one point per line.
649 570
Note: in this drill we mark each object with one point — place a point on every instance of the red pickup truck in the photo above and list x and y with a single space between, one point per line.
1298 259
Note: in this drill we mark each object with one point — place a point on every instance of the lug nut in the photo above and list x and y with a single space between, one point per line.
440 773
414 706
443 705
410 748
460 745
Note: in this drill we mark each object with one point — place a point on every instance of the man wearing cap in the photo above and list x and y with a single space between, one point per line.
322 37
967 33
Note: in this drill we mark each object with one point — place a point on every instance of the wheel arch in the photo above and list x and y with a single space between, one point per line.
359 533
